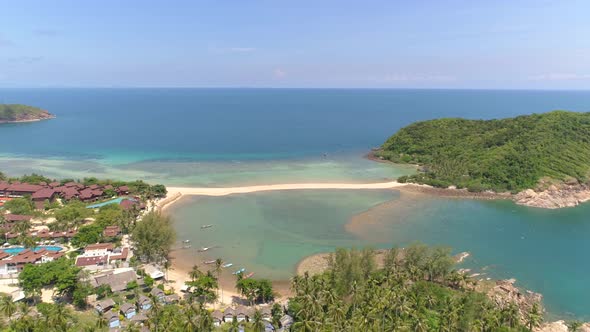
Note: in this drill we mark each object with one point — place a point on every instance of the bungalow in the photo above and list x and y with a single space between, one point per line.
128 310
128 204
172 298
113 319
158 294
228 315
144 302
86 195
104 305
112 231
40 196
11 220
242 313
123 190
54 184
139 318
217 318
286 322
266 313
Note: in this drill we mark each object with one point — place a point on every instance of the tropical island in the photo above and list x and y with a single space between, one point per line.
543 159
15 113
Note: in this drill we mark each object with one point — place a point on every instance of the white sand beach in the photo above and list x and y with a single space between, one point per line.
175 193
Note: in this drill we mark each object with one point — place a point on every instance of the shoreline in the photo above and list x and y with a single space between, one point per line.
27 120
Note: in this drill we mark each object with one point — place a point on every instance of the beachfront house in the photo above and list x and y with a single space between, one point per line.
217 318
172 298
104 305
158 294
144 302
113 318
242 313
128 310
266 313
139 319
153 271
286 322
13 264
228 315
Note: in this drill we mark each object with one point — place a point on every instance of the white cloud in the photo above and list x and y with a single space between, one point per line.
279 73
241 49
395 78
560 77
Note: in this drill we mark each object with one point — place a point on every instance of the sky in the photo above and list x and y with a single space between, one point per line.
500 44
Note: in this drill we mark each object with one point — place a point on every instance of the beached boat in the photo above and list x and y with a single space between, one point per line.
242 270
249 275
206 226
209 262
227 265
204 249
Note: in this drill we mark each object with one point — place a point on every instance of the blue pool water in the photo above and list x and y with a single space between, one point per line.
14 251
117 200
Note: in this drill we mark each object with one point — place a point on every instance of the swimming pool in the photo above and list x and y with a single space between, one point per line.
117 200
14 251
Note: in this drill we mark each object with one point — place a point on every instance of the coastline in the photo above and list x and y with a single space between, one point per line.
28 120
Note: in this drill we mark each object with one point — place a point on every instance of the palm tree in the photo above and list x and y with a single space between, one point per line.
7 306
101 322
257 323
60 317
218 269
534 317
195 273
235 325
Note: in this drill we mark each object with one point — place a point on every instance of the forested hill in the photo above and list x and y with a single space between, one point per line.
22 113
507 154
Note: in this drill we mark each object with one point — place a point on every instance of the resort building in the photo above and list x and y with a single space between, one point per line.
116 280
101 256
104 305
144 303
43 195
128 310
113 318
11 220
14 264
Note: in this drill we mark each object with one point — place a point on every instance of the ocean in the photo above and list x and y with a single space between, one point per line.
223 137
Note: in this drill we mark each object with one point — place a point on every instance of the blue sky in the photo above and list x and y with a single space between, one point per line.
532 44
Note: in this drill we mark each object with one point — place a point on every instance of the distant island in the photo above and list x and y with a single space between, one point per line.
544 159
14 113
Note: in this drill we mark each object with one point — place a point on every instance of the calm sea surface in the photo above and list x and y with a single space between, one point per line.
220 137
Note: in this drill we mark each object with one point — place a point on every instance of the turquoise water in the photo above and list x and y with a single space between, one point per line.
225 137
268 233
14 251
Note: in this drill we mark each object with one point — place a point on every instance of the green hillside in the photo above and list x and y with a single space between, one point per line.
507 154
16 113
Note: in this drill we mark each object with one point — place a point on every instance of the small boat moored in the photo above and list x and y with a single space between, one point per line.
206 226
209 262
242 270
227 265
249 275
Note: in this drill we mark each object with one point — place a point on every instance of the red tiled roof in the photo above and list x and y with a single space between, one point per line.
24 187
9 217
70 193
122 256
4 185
94 186
54 184
97 192
99 246
111 231
123 188
45 193
127 204
108 186
87 261
86 193
70 184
